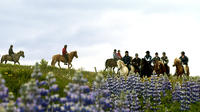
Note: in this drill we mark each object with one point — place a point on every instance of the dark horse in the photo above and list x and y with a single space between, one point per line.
112 63
137 68
146 68
160 68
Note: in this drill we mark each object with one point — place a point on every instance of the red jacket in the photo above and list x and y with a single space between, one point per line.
119 55
64 51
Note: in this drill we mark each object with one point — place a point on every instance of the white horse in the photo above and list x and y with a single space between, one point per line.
123 69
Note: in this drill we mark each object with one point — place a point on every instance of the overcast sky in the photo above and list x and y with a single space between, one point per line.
95 27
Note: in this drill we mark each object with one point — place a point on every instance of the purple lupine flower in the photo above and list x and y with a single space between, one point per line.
43 91
54 88
136 105
176 93
183 98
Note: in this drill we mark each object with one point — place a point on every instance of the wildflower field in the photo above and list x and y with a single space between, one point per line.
48 89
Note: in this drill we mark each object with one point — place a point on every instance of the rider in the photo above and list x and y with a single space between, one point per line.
136 61
164 58
148 57
65 54
119 54
115 55
127 60
156 58
184 60
10 52
165 61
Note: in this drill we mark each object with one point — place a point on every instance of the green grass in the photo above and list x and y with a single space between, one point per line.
17 75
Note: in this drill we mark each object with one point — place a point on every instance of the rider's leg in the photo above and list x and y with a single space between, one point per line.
185 70
13 58
65 59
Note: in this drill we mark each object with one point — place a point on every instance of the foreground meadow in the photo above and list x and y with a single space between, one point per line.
43 88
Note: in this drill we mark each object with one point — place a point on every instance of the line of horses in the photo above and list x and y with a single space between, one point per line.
55 58
146 69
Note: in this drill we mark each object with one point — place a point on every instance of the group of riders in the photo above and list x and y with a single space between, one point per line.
136 61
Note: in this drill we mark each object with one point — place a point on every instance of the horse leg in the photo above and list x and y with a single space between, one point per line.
59 64
113 69
105 69
69 66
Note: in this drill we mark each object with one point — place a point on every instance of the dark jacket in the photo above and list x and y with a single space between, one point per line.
10 52
184 60
136 62
126 60
156 59
148 58
165 59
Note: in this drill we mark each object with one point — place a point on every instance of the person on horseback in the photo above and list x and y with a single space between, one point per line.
156 58
65 54
115 56
127 60
10 52
148 57
184 59
165 61
119 54
136 62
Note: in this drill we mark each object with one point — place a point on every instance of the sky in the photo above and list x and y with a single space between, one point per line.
95 27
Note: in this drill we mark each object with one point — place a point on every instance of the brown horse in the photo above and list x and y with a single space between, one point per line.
15 58
179 68
60 58
112 63
159 68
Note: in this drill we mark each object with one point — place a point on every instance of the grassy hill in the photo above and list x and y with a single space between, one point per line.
16 75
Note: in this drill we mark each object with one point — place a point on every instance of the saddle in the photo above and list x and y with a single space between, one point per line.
12 57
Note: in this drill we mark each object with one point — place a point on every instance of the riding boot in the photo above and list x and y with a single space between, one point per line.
65 63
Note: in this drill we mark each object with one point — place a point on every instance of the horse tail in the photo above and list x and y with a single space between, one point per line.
2 59
53 62
106 65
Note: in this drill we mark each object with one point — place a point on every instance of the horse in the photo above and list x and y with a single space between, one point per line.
112 63
123 69
146 68
60 58
159 68
15 58
179 68
136 67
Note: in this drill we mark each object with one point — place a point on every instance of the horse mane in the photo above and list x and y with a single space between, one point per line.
19 52
160 62
120 62
176 60
73 52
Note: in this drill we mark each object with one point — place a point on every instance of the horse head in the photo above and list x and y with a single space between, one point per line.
120 63
143 62
157 65
75 54
177 62
21 53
